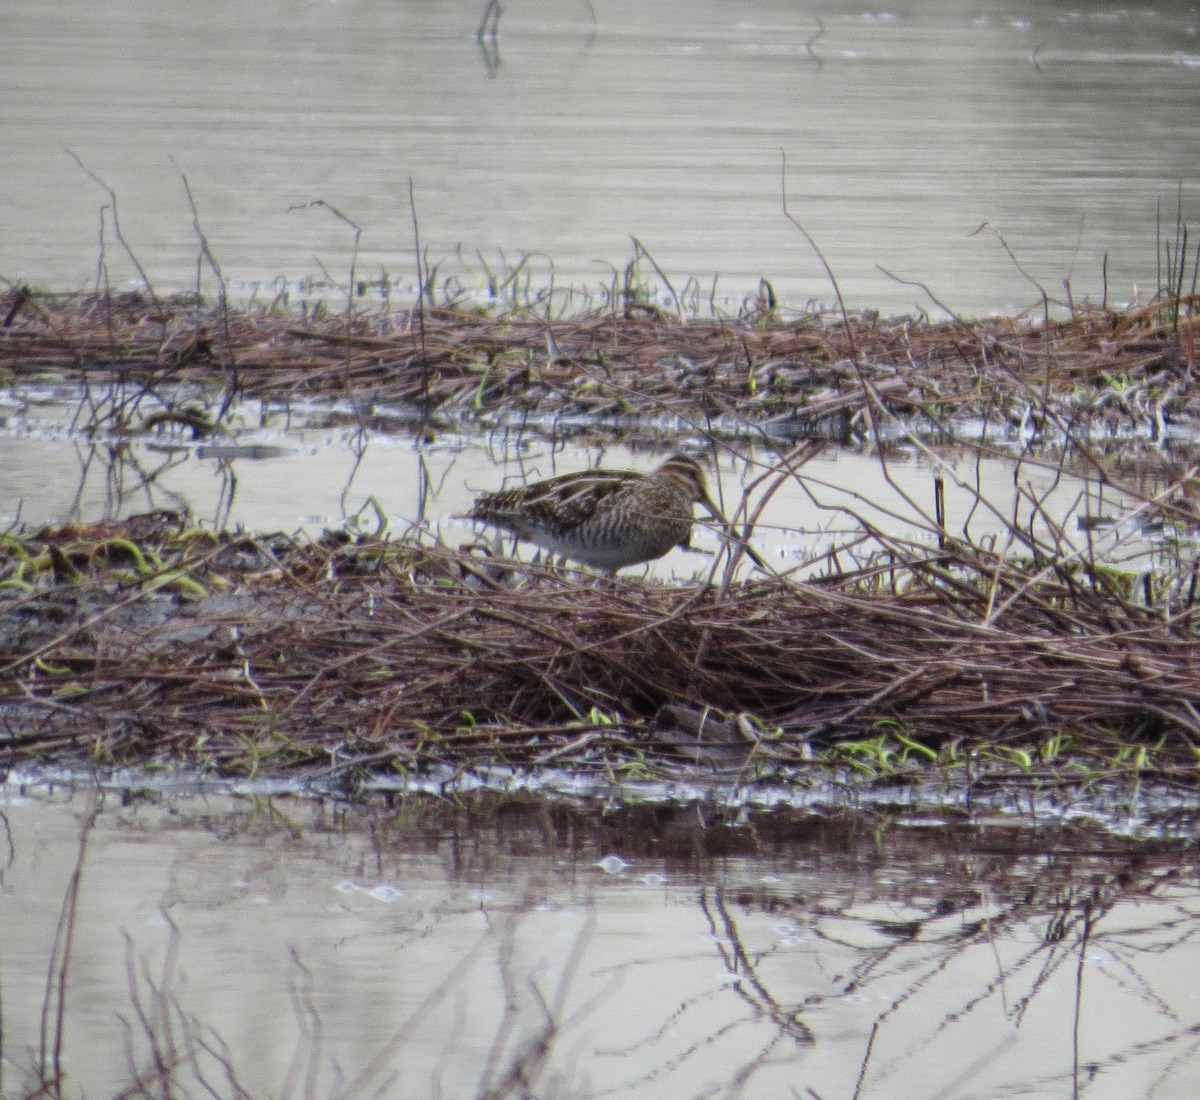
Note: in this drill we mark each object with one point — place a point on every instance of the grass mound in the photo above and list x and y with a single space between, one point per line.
151 642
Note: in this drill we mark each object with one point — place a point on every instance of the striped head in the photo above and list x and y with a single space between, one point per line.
685 476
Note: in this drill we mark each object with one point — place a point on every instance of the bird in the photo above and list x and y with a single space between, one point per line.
607 519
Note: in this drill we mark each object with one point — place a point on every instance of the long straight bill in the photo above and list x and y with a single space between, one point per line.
733 536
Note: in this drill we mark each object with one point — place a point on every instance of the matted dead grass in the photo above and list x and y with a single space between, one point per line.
763 370
155 643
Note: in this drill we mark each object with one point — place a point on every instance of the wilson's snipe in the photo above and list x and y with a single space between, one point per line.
607 519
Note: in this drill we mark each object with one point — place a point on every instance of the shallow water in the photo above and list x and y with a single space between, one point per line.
50 473
434 947
906 128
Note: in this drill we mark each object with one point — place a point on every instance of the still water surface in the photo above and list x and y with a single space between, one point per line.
905 127
442 948
418 951
297 474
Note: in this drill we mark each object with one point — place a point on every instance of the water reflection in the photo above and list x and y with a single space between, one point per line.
906 129
843 501
489 947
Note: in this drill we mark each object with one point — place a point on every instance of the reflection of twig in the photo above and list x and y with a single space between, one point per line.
116 463
400 1034
312 1030
125 459
174 1038
738 962
490 22
865 1061
163 1066
489 50
952 1087
228 494
527 1060
808 46
12 856
359 448
55 1000
1057 930
1084 936
990 932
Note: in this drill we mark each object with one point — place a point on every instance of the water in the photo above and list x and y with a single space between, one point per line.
905 130
49 474
663 949
428 947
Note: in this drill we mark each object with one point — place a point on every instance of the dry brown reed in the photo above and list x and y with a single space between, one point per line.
254 656
153 642
785 376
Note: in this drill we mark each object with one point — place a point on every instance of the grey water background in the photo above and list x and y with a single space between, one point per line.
467 947
1063 129
929 961
1059 127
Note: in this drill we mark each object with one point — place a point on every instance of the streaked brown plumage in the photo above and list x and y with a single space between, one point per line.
607 519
